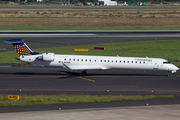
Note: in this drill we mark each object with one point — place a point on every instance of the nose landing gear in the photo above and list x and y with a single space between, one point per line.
168 74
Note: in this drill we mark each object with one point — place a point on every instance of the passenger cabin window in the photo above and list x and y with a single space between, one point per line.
112 61
127 61
101 61
124 61
144 62
85 59
140 62
132 62
65 59
136 61
89 60
104 60
77 59
73 59
108 60
120 61
94 60
69 59
81 59
116 60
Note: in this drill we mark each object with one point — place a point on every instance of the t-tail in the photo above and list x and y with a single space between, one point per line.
21 48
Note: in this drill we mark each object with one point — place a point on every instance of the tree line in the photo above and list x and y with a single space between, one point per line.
120 1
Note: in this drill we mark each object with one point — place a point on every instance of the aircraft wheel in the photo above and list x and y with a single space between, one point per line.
167 74
84 73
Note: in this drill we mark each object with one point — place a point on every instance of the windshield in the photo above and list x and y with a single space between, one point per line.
166 62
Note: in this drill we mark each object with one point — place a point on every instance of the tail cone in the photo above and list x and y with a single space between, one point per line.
18 58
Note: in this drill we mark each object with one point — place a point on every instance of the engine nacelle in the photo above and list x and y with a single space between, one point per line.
46 57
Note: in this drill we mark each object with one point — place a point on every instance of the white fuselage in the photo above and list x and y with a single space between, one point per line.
84 62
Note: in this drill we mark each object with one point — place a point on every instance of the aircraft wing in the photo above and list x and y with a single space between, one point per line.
84 67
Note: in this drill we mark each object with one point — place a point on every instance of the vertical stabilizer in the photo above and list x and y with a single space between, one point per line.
21 48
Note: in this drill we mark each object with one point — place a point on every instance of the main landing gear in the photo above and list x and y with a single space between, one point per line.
84 73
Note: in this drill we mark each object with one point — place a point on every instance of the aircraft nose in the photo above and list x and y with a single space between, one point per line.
173 67
177 68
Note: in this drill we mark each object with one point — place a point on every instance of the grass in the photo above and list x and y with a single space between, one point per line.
90 20
89 28
167 49
69 99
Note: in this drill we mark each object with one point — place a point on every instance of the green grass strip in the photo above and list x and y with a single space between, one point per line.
89 28
167 49
69 99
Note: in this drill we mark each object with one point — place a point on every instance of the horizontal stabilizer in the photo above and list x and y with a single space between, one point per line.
13 41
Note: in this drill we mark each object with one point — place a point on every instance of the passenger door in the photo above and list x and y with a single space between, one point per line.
155 66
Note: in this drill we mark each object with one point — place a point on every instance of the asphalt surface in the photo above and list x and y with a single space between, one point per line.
47 39
52 34
37 80
41 42
155 112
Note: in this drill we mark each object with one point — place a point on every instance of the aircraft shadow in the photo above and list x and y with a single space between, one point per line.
71 74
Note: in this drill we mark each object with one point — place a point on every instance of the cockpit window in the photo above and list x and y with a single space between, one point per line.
166 62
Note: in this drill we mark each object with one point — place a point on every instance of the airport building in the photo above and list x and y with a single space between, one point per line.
105 2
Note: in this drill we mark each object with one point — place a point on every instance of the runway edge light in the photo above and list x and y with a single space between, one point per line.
107 90
152 90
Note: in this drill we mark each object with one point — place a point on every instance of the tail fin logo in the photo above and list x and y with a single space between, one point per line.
20 47
21 50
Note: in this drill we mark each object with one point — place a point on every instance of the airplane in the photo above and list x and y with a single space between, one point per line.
85 63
